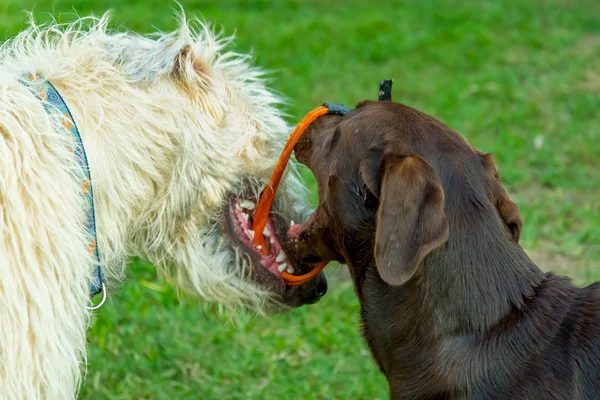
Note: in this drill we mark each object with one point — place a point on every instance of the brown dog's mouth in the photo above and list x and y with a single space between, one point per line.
298 230
241 216
311 242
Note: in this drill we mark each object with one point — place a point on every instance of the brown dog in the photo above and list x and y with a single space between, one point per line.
451 305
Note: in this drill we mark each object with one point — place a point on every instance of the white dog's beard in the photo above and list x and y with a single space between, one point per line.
218 260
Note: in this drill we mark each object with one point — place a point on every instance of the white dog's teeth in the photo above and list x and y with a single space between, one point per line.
259 247
292 223
245 216
281 256
290 270
247 204
237 206
272 240
251 233
281 267
266 232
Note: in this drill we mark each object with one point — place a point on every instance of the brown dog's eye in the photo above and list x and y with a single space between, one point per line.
369 200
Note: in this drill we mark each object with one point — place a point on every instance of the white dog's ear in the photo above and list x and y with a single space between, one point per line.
187 65
145 60
183 60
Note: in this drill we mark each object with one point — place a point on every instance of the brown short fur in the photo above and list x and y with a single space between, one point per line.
452 307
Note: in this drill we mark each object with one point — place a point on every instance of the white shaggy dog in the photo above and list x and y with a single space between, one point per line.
179 134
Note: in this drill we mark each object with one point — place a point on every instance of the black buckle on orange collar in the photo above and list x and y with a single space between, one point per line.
336 109
385 94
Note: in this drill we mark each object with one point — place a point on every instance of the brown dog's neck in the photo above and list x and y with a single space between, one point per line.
479 276
465 287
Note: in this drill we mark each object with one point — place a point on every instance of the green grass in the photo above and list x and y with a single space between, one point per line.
503 73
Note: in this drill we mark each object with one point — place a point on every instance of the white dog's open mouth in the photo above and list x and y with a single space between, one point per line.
241 214
266 268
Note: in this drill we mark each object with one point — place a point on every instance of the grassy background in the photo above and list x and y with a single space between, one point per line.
518 78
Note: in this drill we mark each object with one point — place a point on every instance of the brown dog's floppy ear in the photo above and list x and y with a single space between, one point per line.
509 211
410 221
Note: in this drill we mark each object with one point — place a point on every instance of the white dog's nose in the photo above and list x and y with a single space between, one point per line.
320 288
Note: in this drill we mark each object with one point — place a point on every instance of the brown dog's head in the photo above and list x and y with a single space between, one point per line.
393 183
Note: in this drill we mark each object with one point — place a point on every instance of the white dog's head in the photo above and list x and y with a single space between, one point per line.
182 137
221 134
197 223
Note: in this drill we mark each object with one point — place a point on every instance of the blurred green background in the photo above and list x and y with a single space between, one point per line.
517 78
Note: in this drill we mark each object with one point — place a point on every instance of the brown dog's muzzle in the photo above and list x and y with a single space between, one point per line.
312 241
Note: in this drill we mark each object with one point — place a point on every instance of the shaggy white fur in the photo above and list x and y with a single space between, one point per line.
172 126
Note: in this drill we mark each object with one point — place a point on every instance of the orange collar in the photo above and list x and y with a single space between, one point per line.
265 202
